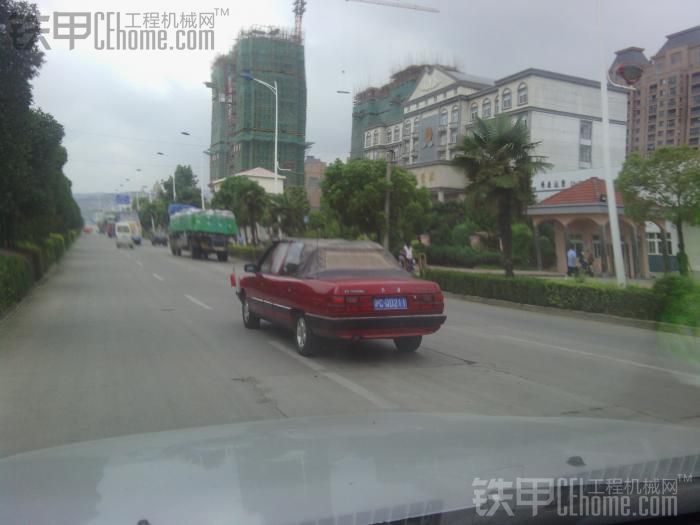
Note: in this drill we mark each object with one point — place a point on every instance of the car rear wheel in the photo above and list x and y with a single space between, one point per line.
250 320
222 256
408 344
307 342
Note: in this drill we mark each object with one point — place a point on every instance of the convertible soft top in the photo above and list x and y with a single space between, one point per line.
338 258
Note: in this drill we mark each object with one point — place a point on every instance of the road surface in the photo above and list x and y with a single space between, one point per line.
117 342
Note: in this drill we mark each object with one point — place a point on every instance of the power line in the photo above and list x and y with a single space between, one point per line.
134 139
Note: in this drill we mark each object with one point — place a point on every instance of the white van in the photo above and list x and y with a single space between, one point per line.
122 233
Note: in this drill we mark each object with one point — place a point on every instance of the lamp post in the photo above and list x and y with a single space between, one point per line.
609 185
387 196
246 75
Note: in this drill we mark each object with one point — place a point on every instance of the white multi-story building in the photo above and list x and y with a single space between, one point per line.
563 114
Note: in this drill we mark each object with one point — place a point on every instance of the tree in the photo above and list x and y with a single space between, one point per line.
353 193
288 210
665 186
499 161
246 199
187 189
20 60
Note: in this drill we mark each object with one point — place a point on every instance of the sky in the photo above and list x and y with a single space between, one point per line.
121 107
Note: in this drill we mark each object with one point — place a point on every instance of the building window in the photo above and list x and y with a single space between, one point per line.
416 121
597 250
389 138
542 184
443 117
586 130
442 155
443 139
407 128
563 183
486 108
549 184
655 245
368 140
455 114
375 140
453 136
496 107
556 184
506 99
676 58
584 155
473 112
396 133
660 65
522 94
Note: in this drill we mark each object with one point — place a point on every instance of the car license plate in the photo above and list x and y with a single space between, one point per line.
390 303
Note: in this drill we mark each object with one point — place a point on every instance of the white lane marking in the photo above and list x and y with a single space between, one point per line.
139 263
158 277
361 391
599 356
198 302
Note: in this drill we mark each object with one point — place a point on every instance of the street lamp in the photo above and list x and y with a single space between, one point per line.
387 196
609 185
248 76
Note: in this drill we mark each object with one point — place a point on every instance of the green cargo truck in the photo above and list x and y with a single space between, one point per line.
202 232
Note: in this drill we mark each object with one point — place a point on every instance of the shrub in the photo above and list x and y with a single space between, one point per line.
461 233
15 279
679 300
247 253
635 302
36 256
464 256
523 247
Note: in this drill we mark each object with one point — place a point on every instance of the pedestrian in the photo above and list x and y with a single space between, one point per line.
571 258
408 251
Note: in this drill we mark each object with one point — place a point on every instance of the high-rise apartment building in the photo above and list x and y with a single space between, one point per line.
243 111
664 105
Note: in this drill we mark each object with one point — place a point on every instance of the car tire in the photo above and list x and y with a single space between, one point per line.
250 320
306 341
408 344
223 257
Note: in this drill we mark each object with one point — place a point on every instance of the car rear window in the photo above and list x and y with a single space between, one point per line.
364 260
123 229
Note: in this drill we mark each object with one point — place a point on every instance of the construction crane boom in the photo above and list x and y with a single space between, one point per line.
389 3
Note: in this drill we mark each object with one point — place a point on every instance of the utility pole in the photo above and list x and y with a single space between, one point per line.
387 196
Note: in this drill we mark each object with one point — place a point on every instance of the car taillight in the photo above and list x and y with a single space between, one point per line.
233 280
336 303
428 302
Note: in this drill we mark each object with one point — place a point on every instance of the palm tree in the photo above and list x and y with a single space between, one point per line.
499 163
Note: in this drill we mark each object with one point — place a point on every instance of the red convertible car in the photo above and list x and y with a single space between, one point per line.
331 288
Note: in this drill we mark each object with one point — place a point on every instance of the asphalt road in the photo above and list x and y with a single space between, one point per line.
117 342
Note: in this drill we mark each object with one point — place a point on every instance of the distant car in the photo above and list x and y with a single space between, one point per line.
339 289
159 238
122 234
87 229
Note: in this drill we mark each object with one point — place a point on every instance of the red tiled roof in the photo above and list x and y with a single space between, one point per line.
586 192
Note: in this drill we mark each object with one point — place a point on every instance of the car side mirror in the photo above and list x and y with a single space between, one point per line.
251 268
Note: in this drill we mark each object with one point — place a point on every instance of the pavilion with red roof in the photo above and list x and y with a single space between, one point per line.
579 215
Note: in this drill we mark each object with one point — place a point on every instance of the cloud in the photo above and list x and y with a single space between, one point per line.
120 107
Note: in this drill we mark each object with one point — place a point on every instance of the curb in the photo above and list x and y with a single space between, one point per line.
577 314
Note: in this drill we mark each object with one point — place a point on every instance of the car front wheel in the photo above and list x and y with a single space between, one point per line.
408 344
306 340
250 320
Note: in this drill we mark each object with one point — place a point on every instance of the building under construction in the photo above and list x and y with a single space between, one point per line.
243 111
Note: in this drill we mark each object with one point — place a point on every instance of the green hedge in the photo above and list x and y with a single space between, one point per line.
464 256
679 300
247 253
635 302
15 279
36 256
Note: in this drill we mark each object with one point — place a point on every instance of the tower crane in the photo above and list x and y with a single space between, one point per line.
390 3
